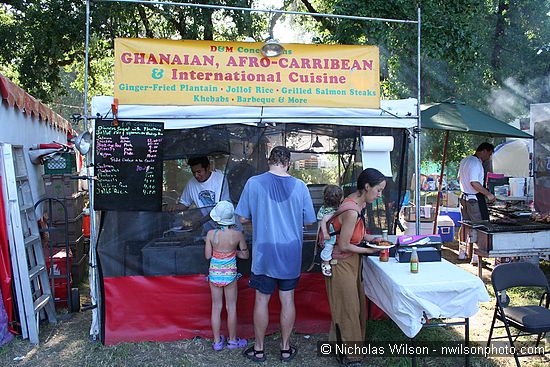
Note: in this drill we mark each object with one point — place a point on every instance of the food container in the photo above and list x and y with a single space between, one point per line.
427 213
517 186
385 255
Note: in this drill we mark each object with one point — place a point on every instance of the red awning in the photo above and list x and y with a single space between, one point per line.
18 98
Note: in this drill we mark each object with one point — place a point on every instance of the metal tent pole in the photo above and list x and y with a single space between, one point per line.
440 184
93 276
417 135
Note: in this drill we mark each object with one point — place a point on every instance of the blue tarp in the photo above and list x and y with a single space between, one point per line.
5 335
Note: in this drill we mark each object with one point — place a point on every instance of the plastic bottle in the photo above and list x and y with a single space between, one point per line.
414 261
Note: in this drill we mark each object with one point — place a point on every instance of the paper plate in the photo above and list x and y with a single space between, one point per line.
373 245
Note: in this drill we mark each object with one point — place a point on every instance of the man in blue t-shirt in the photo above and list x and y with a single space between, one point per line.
278 205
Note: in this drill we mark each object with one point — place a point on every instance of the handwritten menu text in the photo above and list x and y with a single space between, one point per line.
128 165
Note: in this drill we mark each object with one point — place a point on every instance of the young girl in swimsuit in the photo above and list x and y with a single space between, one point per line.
223 246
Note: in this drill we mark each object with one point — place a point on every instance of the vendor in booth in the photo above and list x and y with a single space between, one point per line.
471 176
205 189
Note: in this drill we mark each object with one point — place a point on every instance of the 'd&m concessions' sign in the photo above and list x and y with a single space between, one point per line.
167 72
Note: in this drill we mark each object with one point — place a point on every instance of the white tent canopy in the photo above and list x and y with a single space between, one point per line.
401 114
392 114
512 158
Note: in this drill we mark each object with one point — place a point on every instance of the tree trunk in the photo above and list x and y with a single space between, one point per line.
208 25
324 21
503 6
145 21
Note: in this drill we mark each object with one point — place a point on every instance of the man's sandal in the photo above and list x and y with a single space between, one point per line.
253 354
291 353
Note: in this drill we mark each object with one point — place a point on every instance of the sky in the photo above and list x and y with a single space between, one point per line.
284 31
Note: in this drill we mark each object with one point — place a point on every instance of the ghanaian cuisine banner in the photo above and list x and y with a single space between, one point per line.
167 72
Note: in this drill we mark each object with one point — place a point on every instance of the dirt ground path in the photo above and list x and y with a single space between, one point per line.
67 344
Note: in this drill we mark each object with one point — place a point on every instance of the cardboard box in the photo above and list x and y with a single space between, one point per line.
427 213
79 269
60 186
73 205
433 240
74 230
420 241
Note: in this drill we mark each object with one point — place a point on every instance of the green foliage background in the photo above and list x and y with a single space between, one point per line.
491 54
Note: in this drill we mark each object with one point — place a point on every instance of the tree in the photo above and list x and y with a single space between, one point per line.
42 41
38 40
481 52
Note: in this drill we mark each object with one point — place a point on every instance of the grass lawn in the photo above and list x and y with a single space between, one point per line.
66 344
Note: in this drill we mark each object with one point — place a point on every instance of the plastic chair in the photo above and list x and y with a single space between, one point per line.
528 320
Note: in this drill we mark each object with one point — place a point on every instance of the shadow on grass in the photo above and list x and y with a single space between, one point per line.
387 331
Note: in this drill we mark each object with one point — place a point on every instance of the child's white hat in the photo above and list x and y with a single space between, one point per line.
223 213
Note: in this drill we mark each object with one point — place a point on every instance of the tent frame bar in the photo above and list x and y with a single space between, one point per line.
261 117
257 10
94 275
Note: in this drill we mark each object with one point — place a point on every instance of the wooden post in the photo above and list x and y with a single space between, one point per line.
441 180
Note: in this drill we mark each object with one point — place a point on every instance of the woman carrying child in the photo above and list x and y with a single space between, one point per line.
223 246
344 289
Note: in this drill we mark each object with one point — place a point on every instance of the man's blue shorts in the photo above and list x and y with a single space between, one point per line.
266 285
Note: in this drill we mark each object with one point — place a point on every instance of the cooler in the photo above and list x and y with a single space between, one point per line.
59 263
445 227
58 277
454 213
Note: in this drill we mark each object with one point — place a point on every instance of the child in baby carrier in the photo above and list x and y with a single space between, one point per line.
332 197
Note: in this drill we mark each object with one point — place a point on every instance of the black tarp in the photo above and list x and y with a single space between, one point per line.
152 243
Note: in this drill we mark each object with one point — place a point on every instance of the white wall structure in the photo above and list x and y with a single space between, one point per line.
26 121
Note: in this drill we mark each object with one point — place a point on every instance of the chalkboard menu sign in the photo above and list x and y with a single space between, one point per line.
128 165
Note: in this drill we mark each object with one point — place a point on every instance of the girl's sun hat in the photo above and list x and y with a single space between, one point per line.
223 213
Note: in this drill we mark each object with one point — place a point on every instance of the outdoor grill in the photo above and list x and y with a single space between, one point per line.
517 226
517 237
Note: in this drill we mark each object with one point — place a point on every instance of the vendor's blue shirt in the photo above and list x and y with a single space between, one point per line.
278 206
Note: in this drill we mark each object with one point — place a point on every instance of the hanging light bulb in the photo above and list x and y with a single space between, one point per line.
317 143
272 48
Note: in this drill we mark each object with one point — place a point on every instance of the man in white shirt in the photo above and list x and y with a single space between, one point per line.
471 176
205 189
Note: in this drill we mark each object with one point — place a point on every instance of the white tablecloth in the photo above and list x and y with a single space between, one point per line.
440 289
